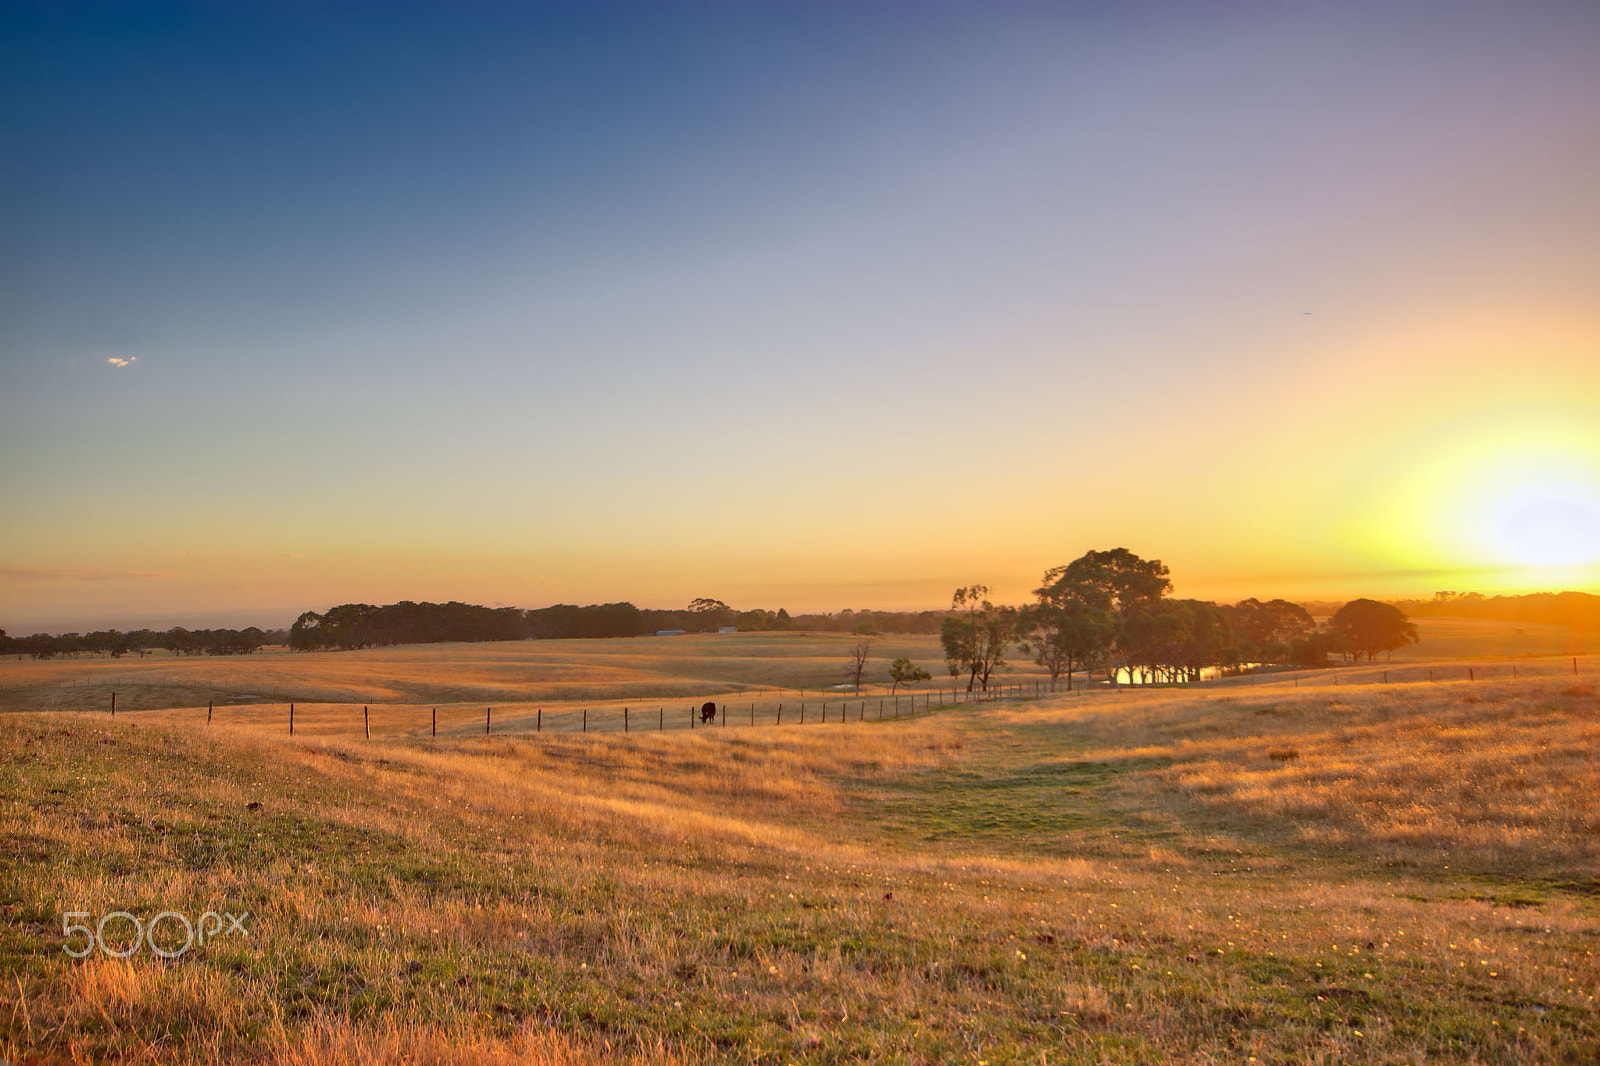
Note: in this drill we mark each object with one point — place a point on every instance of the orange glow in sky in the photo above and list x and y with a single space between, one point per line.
814 312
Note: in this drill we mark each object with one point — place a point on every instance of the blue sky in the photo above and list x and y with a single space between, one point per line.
815 304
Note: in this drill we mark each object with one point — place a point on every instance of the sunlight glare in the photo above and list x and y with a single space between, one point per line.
1553 533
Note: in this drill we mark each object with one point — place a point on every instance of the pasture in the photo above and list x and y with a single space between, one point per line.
647 673
562 672
1362 872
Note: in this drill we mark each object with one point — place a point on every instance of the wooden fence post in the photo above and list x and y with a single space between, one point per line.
780 714
113 705
538 722
586 719
752 714
208 712
691 717
1470 675
486 713
624 719
436 721
366 722
291 719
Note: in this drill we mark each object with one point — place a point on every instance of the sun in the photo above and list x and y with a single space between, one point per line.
1508 500
1554 531
1532 509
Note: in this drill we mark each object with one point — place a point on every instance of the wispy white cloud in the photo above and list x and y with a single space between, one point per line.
118 361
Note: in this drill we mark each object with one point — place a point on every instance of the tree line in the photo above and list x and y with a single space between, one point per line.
116 643
1575 610
362 625
709 615
1109 611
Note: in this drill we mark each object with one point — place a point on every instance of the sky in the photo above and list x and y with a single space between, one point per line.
814 305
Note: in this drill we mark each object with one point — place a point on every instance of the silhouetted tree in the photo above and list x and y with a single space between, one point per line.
1121 579
361 625
710 614
1366 627
234 642
1067 628
1116 581
756 621
39 645
905 672
1267 631
860 652
976 635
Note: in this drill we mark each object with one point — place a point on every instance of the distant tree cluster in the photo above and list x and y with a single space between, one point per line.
140 641
1105 611
976 634
360 625
1575 610
1109 611
625 620
870 623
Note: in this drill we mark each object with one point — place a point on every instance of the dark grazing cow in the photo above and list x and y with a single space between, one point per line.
708 712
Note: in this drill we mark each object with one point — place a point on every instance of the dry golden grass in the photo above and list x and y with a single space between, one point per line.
113 993
1076 880
647 672
1494 776
1460 638
695 667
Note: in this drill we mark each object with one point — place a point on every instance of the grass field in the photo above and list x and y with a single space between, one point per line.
1373 873
687 668
645 672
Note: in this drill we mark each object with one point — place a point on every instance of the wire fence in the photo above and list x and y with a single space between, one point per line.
794 708
456 720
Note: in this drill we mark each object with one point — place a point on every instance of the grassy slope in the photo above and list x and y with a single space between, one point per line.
1128 879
